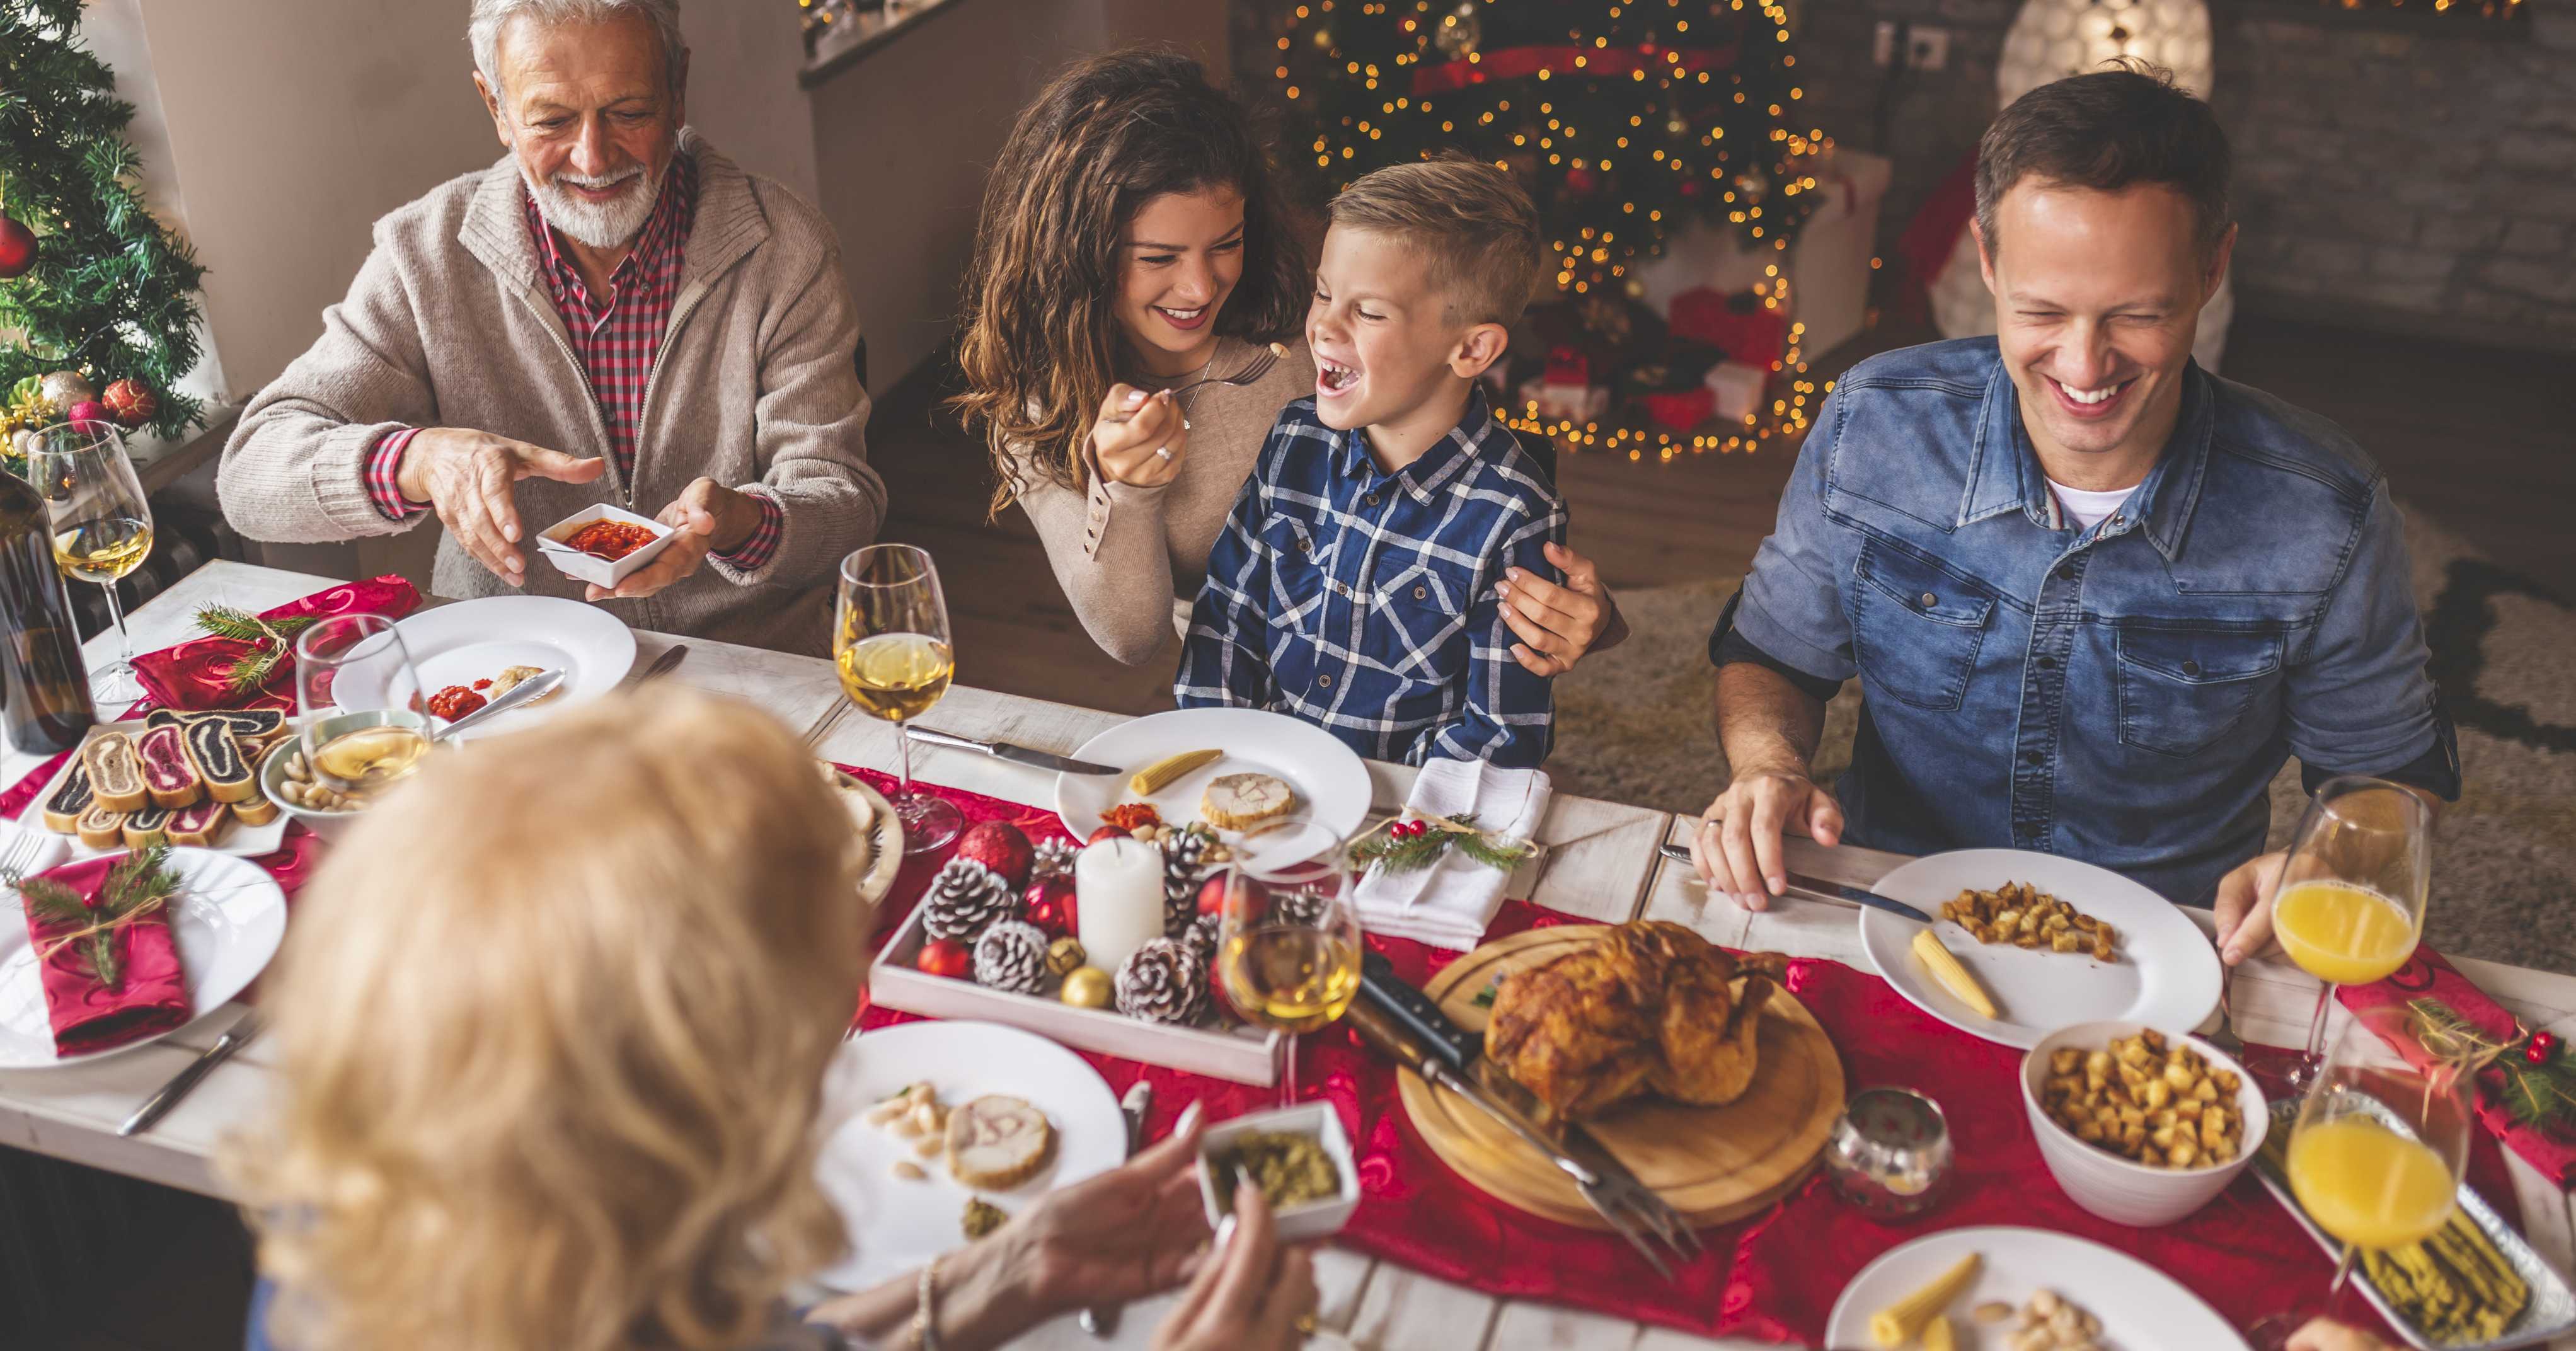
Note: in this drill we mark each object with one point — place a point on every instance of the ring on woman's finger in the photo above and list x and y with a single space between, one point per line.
1163 453
1306 1323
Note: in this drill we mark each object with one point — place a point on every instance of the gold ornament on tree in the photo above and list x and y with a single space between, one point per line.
1461 32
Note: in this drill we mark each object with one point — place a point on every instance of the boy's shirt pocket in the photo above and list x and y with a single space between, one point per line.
1301 570
1417 627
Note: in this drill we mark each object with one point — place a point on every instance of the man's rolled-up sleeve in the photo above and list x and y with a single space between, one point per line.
2362 700
820 498
297 469
1791 605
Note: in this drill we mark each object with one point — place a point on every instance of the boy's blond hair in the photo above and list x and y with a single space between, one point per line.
1472 222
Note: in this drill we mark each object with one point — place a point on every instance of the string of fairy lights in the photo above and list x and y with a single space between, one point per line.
1625 118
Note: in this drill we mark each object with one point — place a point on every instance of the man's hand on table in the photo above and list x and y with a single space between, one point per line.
712 519
465 475
1737 847
2244 907
2325 1334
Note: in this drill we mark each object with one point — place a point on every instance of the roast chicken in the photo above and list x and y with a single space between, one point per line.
1652 1007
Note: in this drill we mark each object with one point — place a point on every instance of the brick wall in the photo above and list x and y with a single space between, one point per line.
2409 180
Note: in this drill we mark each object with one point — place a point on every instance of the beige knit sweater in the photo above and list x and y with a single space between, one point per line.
449 324
1131 559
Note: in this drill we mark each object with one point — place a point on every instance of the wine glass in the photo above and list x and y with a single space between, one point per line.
2379 1148
2349 905
102 526
366 724
890 642
1288 937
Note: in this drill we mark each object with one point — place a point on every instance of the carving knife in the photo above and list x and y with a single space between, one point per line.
1817 889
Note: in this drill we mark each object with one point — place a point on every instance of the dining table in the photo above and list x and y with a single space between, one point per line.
1599 860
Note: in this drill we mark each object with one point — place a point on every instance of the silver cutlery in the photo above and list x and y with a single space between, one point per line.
1816 889
186 1080
1260 366
25 850
1102 1321
663 665
525 692
1003 750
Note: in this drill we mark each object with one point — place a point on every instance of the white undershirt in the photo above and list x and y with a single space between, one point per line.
2084 508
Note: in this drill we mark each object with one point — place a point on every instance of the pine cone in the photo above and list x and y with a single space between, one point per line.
1305 909
1200 940
1182 853
1012 955
964 900
1160 984
1053 858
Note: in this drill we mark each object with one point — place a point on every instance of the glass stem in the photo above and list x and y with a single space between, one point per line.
1288 1075
2317 1025
2343 1270
903 757
124 640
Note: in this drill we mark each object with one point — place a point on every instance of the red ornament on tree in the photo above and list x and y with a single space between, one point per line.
90 410
1049 904
131 402
997 845
17 248
945 957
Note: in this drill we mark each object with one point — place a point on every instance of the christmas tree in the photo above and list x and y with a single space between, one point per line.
90 282
1624 118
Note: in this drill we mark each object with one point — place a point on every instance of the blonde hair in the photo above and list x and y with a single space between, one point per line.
552 1025
1472 223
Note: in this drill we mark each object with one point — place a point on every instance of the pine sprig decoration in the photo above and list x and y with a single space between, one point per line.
140 883
112 292
1410 854
2538 1092
254 668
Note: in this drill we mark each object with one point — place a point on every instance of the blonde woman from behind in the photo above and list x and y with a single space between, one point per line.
551 1028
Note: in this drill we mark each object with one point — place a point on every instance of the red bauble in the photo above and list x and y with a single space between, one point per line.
1049 904
1212 895
131 402
17 248
1000 846
89 410
946 957
1106 832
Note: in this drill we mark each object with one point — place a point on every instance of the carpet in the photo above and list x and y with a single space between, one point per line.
1634 725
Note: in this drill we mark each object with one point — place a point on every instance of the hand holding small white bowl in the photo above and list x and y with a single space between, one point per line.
2121 1190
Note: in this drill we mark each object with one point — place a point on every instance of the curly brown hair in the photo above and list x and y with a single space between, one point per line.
1109 135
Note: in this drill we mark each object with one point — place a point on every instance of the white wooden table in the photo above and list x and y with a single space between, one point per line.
1602 862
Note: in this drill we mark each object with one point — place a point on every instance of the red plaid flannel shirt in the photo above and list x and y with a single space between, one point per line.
615 340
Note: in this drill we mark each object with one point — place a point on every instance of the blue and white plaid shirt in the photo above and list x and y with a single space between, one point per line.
1363 602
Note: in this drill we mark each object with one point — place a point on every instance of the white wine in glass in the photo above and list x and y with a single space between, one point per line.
890 644
366 721
102 526
1288 938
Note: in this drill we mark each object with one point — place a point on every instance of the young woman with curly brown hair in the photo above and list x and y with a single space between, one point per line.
1135 244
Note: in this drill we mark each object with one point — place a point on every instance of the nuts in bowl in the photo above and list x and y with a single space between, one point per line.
2139 1125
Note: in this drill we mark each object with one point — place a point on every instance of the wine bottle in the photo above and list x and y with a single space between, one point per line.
44 684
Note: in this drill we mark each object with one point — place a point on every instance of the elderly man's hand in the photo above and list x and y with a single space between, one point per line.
466 476
712 519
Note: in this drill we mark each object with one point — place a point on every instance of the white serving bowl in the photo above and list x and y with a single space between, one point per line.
582 567
2117 1189
1297 1224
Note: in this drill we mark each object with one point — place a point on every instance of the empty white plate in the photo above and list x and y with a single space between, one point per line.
1329 778
896 1224
2139 1306
230 919
2166 975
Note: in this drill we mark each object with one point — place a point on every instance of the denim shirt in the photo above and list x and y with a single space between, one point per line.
2122 694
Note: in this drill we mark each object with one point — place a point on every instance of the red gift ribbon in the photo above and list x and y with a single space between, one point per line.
1513 63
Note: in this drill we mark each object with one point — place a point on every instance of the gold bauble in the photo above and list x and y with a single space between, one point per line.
1064 956
1460 31
1086 987
65 388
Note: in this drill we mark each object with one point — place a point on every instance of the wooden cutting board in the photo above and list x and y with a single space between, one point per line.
1713 1164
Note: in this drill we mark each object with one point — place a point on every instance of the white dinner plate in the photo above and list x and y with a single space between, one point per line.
1329 778
230 918
239 839
475 639
896 1224
2141 1308
2167 973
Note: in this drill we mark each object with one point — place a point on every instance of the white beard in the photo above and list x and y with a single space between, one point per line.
601 225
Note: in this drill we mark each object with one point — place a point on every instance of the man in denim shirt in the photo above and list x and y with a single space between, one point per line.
2095 595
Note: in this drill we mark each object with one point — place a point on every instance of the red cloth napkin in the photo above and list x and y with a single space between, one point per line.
151 994
192 675
2428 976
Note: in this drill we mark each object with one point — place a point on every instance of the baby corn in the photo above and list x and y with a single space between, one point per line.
1953 976
1902 1321
1152 777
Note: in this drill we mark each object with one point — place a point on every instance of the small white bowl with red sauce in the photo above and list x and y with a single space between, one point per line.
603 544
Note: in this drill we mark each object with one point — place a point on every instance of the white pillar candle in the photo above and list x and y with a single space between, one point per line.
1118 899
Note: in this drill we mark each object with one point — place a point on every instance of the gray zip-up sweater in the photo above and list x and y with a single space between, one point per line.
449 324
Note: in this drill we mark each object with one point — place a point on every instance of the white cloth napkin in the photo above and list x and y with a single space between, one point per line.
1451 903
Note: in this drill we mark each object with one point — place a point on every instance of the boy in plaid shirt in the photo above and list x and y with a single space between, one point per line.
1353 585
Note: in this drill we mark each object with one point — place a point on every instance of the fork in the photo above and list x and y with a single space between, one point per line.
1262 365
20 850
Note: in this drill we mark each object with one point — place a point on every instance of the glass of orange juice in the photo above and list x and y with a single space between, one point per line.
2350 903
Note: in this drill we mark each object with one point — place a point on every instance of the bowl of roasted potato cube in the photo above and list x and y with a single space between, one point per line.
2140 1126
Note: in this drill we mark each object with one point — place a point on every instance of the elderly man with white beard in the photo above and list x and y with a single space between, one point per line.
614 313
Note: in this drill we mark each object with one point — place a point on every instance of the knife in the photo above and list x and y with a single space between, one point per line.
181 1084
526 691
1102 1321
663 665
1003 750
1817 889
